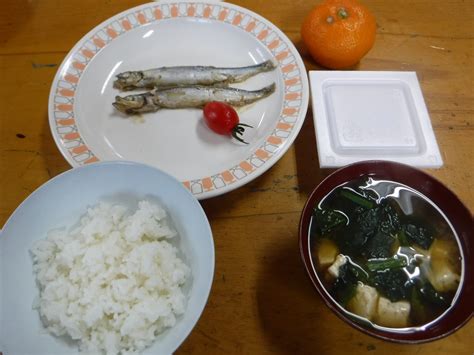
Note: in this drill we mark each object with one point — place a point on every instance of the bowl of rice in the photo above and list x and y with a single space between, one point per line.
109 258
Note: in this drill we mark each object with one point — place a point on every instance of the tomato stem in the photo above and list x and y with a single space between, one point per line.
238 130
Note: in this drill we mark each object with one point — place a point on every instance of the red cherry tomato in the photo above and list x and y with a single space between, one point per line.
220 117
223 119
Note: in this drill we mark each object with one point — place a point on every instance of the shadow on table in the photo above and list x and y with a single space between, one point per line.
306 155
289 308
294 318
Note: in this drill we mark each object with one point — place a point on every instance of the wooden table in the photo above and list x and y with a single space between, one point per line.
261 301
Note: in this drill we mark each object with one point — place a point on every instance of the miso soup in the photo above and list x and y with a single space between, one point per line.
385 253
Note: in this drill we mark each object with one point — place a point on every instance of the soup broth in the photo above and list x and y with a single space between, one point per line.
385 253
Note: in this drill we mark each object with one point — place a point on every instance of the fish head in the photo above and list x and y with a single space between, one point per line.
129 104
129 79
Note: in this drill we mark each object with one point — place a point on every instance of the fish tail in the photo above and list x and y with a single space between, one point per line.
267 65
268 90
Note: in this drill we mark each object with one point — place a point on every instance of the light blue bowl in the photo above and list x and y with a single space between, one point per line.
60 202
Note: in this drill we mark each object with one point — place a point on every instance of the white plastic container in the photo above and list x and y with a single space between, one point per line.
360 115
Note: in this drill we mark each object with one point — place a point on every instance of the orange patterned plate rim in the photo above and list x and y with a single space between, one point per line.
290 68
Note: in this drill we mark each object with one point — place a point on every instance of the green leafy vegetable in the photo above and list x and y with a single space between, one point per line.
388 263
362 226
418 235
344 287
393 284
429 294
402 239
389 219
418 311
358 199
379 246
387 225
367 221
361 274
328 220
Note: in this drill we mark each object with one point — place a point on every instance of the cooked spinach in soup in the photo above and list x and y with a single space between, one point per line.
385 253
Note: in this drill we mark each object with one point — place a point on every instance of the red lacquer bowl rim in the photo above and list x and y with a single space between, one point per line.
457 213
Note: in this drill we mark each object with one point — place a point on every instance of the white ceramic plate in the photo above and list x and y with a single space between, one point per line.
87 129
59 203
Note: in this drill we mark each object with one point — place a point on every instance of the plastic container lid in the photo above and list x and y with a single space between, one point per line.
362 115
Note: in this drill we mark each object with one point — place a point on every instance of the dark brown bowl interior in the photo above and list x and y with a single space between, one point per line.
451 206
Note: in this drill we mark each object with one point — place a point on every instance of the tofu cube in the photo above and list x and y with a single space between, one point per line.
392 314
443 264
333 270
327 251
442 277
364 302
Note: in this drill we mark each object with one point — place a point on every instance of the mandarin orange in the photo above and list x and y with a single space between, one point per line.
338 33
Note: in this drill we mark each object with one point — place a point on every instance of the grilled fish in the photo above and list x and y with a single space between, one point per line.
167 77
188 97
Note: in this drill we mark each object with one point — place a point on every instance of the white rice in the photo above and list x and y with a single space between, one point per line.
113 283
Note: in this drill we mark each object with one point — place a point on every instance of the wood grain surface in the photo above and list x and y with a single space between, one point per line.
262 301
